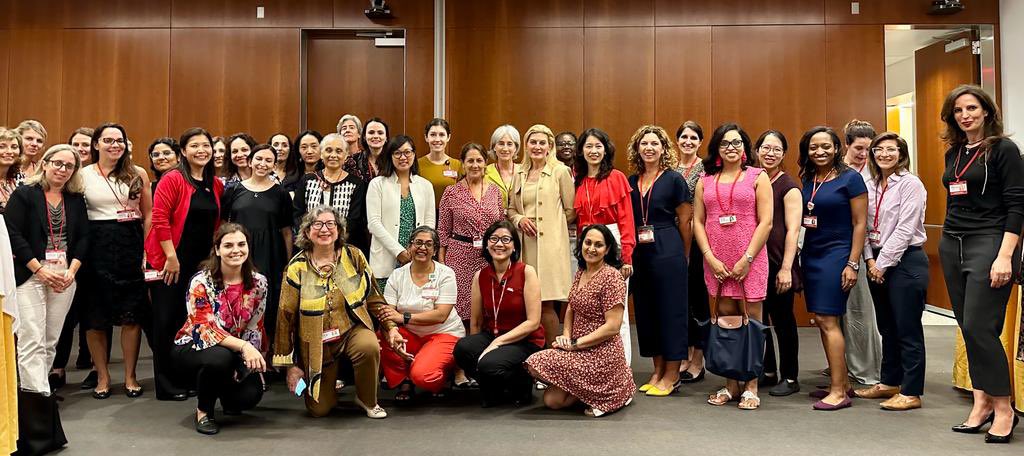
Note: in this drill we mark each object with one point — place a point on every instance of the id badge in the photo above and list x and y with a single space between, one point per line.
127 215
57 258
811 221
152 275
958 188
478 243
874 236
450 173
331 335
726 220
645 234
430 294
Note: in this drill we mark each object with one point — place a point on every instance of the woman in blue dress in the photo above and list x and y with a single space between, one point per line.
835 214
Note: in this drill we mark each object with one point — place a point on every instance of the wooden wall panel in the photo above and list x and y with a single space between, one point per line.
682 78
241 80
34 78
33 14
117 75
855 74
5 47
618 87
511 13
407 13
616 13
242 13
419 83
769 77
529 81
909 12
738 12
130 14
372 82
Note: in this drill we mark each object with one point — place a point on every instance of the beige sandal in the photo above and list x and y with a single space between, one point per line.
749 397
715 399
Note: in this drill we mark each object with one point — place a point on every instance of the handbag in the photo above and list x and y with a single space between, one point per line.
39 428
734 344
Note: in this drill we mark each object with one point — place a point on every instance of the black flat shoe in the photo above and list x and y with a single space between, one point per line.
768 380
57 380
101 394
192 393
963 428
687 377
207 425
133 393
90 381
172 397
785 388
992 438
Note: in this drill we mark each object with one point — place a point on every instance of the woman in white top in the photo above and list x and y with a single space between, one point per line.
119 204
421 296
397 201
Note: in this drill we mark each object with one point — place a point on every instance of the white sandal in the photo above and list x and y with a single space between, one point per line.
749 396
722 392
375 412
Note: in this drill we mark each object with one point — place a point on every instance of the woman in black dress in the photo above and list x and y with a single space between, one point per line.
265 209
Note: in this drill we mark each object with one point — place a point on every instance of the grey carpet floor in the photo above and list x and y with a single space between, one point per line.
678 425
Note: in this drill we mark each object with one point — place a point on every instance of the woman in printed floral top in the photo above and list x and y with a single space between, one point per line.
222 339
10 172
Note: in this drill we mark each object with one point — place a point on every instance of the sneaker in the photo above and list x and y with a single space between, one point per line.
785 388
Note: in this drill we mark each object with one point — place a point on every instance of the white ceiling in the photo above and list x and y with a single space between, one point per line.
901 44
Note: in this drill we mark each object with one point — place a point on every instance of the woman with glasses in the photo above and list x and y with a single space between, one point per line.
505 325
186 213
364 164
397 201
164 155
898 271
48 227
835 209
565 149
119 203
689 137
333 186
437 166
421 296
504 148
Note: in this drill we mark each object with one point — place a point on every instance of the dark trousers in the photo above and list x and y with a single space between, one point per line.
169 314
980 310
697 293
899 303
67 335
501 373
214 372
778 312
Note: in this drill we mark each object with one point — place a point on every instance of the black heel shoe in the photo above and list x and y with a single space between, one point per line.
992 438
687 377
965 429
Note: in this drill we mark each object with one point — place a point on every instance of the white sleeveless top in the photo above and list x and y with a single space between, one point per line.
103 200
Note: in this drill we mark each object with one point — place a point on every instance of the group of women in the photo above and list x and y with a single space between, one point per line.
343 257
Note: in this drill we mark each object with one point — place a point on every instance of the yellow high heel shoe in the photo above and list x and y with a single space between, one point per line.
645 387
657 392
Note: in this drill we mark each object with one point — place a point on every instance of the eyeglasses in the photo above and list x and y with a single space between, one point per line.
424 244
404 153
109 141
736 144
61 165
766 149
890 150
500 239
319 225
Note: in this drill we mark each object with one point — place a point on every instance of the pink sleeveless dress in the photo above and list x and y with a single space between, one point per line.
728 242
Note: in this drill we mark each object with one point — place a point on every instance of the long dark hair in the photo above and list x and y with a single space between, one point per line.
607 163
993 128
295 155
169 142
807 167
229 164
611 256
362 135
185 167
713 162
517 244
212 263
385 166
124 169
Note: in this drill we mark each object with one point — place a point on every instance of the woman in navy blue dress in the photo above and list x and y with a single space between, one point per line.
662 213
835 214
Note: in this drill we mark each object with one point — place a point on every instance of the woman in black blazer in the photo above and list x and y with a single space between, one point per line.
48 227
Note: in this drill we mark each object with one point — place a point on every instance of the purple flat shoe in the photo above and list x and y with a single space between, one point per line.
821 393
824 406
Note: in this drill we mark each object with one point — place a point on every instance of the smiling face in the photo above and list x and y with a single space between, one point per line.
566 146
198 151
219 151
538 146
821 150
593 151
651 149
403 158
969 114
857 152
81 143
111 144
233 250
9 153
593 248
505 149
59 168
437 138
349 131
324 230
422 247
164 159
262 163
334 153
771 153
33 144
887 155
500 245
309 149
688 142
240 153
474 164
376 135
732 148
280 144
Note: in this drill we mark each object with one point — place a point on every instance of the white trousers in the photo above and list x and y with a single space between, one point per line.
42 313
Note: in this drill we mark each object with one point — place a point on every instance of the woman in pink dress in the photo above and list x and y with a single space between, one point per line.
586 363
732 217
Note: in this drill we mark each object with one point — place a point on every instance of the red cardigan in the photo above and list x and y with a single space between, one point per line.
170 208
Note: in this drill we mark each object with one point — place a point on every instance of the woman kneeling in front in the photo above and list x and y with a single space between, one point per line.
422 295
325 313
221 342
587 362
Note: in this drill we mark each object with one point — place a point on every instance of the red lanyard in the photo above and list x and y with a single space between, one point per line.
496 304
718 193
958 175
650 190
107 181
49 222
693 164
878 203
814 189
776 176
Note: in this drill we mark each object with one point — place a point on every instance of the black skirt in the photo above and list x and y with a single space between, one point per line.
114 286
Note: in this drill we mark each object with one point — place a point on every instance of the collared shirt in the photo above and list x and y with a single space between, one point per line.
900 220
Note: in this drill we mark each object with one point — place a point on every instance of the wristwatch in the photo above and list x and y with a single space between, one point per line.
750 259
854 266
406 317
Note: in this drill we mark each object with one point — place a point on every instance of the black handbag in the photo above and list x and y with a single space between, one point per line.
734 345
39 428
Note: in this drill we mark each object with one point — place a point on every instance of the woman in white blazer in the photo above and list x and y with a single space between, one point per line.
397 201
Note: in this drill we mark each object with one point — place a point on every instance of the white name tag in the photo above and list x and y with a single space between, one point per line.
331 335
811 221
875 237
430 294
127 215
726 220
478 243
450 173
152 275
56 258
645 234
957 188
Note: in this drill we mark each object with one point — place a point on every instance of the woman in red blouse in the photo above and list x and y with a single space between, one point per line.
222 340
602 197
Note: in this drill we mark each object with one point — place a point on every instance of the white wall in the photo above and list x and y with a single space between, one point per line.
899 78
1011 34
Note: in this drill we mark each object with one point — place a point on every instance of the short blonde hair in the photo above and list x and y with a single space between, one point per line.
353 118
669 156
74 184
542 129
33 125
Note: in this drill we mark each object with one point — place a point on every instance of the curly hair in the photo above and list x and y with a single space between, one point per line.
302 240
669 156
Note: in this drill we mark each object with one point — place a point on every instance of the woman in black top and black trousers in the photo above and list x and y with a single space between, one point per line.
984 177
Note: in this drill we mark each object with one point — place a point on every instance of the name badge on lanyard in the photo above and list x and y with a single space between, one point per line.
645 234
958 188
127 215
810 221
56 257
726 220
478 242
874 236
152 275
